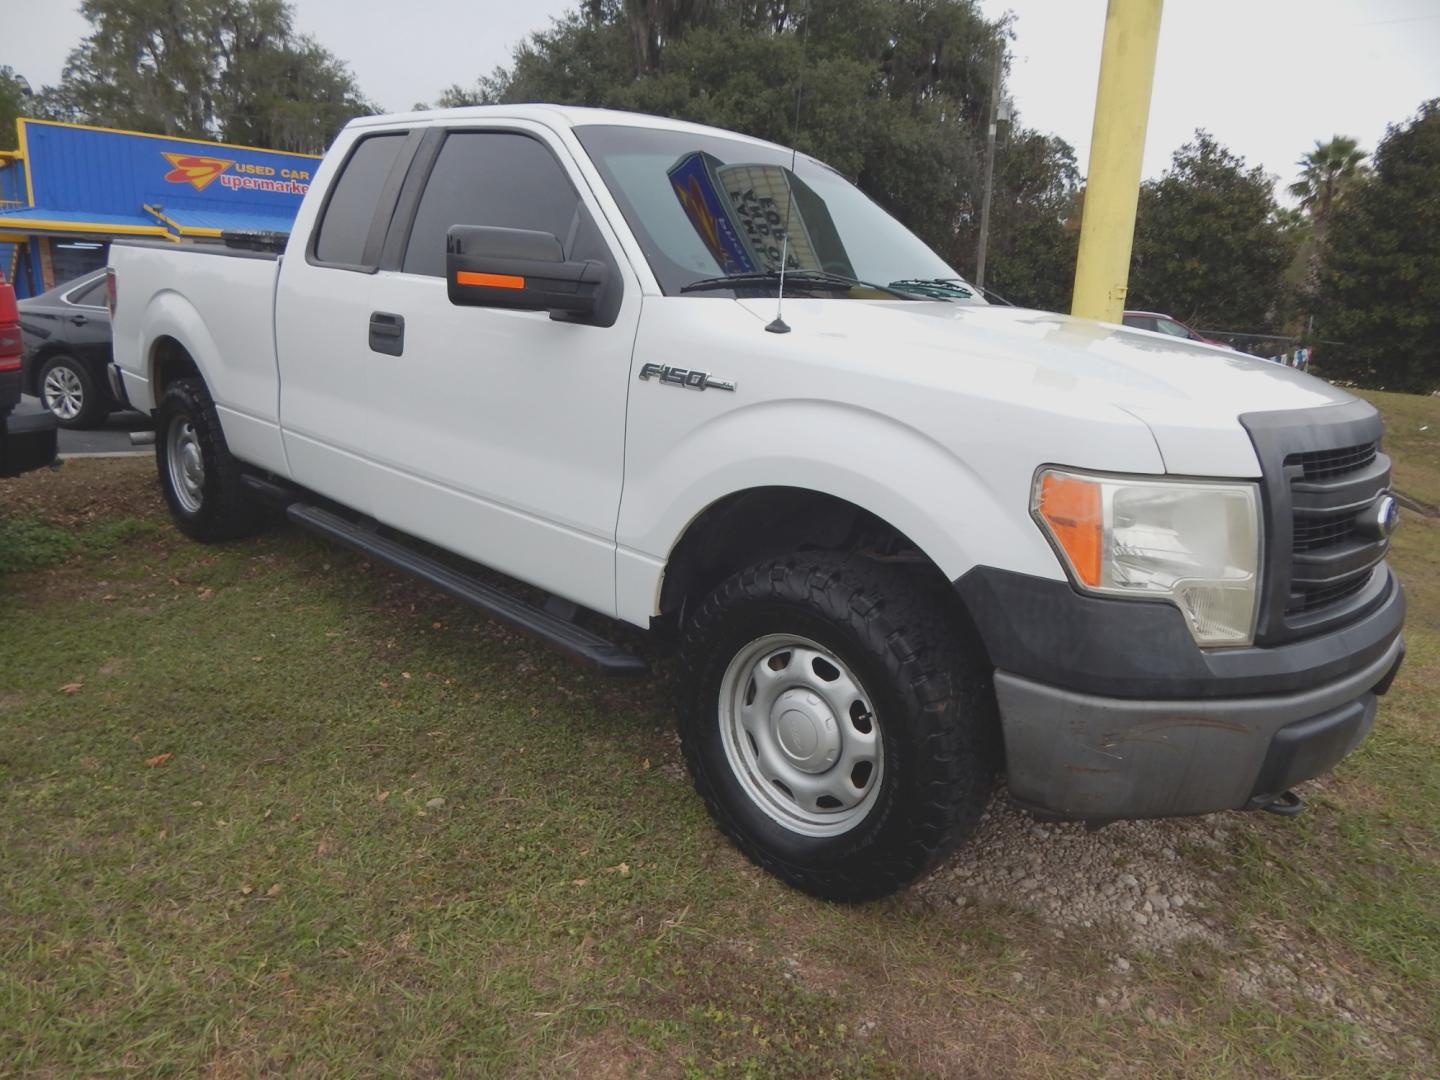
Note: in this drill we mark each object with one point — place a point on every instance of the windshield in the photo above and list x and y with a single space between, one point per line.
706 207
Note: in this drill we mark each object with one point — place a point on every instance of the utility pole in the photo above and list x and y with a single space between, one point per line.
1117 148
989 167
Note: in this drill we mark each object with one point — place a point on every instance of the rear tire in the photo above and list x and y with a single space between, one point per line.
67 389
817 662
200 478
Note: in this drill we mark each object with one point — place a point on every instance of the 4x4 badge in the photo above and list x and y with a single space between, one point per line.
679 376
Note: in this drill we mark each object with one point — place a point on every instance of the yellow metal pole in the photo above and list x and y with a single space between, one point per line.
1117 146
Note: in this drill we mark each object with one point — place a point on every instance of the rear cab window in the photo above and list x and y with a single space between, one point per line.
346 236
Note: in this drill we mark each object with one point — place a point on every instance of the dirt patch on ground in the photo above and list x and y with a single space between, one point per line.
1133 876
1153 887
81 492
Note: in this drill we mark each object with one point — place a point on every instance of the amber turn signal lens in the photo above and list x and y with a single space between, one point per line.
1071 508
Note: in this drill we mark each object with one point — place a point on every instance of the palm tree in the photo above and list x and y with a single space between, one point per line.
1325 174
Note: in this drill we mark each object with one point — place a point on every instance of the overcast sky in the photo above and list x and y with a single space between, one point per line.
1266 77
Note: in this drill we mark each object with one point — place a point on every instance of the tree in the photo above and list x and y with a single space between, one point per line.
15 102
1034 234
229 69
1326 173
1209 246
1380 279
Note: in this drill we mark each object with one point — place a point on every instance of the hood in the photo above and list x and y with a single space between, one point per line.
1189 394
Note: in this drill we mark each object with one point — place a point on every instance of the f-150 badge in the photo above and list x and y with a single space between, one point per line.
679 376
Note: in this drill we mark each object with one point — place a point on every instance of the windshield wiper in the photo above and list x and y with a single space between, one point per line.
948 288
801 279
941 288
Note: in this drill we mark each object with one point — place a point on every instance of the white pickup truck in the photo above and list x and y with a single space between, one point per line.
905 540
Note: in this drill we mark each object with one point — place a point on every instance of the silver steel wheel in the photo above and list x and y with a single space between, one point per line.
801 735
63 393
186 465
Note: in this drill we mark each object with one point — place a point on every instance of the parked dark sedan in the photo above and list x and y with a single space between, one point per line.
67 347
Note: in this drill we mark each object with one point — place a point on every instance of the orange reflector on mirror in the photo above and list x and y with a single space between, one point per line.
494 281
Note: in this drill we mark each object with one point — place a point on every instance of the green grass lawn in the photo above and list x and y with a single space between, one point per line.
265 808
1412 438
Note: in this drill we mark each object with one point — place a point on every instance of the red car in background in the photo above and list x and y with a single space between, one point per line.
1165 324
27 435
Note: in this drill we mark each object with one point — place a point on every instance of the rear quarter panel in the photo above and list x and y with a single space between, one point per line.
219 307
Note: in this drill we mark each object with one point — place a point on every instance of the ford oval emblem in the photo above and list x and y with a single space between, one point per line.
1382 517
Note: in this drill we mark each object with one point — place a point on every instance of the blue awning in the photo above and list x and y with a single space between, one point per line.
46 221
207 222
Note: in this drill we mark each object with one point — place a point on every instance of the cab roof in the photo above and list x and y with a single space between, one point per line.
552 116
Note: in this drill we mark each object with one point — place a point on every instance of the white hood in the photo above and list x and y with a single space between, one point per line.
1189 394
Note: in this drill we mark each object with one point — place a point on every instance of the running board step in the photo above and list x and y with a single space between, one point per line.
566 636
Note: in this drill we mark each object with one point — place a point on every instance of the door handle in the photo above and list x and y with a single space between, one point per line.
387 333
79 320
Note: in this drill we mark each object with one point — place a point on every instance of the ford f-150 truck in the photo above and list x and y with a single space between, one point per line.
904 540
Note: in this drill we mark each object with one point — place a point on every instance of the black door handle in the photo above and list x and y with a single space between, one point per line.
79 320
387 333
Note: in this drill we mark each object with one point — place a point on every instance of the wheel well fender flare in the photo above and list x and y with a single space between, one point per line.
173 323
898 477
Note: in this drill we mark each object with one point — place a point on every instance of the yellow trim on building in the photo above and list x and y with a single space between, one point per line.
164 138
25 154
41 225
183 230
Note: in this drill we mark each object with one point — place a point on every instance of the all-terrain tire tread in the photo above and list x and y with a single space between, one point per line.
941 677
228 511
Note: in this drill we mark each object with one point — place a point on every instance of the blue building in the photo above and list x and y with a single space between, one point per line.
70 189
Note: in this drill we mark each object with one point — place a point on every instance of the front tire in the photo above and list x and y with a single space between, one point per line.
71 394
837 723
200 478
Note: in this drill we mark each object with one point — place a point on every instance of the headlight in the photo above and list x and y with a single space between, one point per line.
1192 543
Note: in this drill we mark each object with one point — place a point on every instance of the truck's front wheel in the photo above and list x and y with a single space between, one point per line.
838 727
200 478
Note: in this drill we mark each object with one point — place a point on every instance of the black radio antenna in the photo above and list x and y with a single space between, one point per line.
778 325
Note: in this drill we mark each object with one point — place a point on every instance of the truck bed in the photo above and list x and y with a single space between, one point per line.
205 294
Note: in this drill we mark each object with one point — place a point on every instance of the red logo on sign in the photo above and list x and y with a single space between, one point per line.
191 169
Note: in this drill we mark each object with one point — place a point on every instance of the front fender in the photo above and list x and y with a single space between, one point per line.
897 473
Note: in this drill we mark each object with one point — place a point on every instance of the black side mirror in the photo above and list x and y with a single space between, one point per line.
518 268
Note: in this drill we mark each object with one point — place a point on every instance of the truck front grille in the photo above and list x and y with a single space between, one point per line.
1319 464
1332 556
1310 535
1322 596
1324 474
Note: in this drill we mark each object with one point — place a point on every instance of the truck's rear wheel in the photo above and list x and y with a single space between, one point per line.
840 730
200 478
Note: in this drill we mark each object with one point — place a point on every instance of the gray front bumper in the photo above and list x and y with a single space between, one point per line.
1083 756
